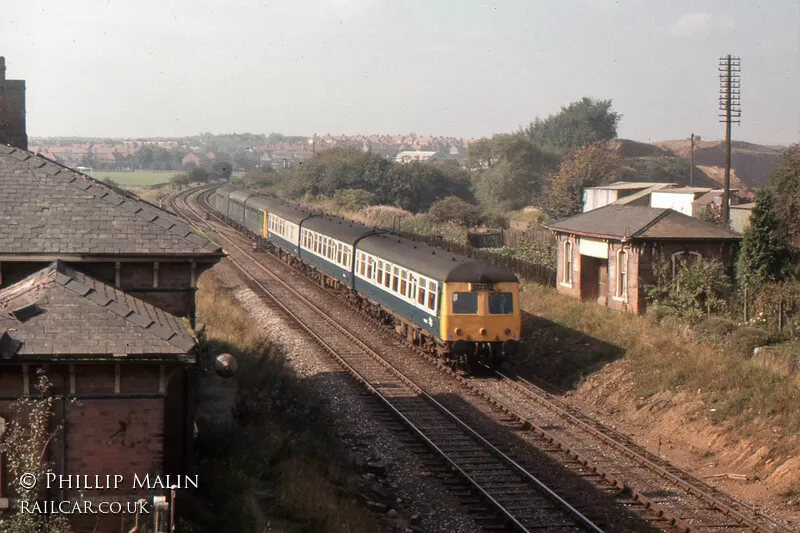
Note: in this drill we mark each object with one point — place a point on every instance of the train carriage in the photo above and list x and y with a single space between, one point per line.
328 243
221 198
261 207
283 226
471 307
447 302
236 205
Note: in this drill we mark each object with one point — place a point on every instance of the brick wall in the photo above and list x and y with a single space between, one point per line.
136 430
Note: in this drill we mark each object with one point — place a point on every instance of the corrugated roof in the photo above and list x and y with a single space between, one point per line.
640 222
625 185
47 208
59 311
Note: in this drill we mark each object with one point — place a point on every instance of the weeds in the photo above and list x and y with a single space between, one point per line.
267 469
668 357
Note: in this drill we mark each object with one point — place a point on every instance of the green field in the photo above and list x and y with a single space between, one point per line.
140 179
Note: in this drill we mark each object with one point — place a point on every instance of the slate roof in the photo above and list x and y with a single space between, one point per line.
47 208
59 311
640 222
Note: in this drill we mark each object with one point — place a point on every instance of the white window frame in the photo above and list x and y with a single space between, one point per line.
327 248
620 284
566 274
414 282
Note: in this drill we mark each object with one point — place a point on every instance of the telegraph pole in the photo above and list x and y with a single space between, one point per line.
691 165
730 69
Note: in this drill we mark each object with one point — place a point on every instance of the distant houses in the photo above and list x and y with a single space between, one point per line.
408 156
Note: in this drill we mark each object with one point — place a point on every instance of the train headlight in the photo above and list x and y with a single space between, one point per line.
458 331
508 332
482 331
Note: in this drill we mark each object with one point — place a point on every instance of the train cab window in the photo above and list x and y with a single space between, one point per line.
501 303
465 303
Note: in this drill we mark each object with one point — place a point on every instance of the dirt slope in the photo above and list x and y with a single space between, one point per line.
751 163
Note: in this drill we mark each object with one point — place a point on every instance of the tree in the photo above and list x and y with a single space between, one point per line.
785 182
582 122
222 170
509 172
199 175
586 166
24 443
764 255
179 181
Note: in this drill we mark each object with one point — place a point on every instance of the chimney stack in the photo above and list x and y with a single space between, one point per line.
12 110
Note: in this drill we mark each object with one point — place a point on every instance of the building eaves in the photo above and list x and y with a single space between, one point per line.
59 311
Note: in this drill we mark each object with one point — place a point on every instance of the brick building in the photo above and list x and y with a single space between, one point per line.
123 360
50 212
606 255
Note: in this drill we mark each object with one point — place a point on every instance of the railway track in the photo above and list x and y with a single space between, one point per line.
665 496
505 486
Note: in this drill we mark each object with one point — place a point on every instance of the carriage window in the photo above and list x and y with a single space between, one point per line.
465 303
395 278
432 295
403 278
387 276
370 267
339 254
421 295
501 303
412 286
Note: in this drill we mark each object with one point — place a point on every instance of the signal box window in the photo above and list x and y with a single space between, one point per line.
465 303
501 303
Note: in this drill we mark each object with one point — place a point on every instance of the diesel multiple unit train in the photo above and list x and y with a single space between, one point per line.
450 305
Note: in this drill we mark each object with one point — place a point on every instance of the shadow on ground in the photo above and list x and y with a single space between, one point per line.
560 355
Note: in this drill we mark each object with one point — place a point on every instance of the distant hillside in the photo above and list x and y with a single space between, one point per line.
751 164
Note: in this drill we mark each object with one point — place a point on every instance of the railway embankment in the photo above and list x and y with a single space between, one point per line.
303 449
708 406
263 453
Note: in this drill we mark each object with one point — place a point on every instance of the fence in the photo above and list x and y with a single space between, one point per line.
530 271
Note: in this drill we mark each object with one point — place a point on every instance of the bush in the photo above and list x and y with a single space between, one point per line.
384 216
454 209
745 340
714 328
354 199
493 218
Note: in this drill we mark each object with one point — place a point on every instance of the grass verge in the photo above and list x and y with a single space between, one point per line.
271 465
666 357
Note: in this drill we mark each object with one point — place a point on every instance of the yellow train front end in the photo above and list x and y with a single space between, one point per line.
481 322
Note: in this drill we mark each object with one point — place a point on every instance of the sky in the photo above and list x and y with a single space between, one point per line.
462 68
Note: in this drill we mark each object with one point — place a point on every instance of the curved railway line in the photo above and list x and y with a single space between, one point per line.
507 487
663 495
